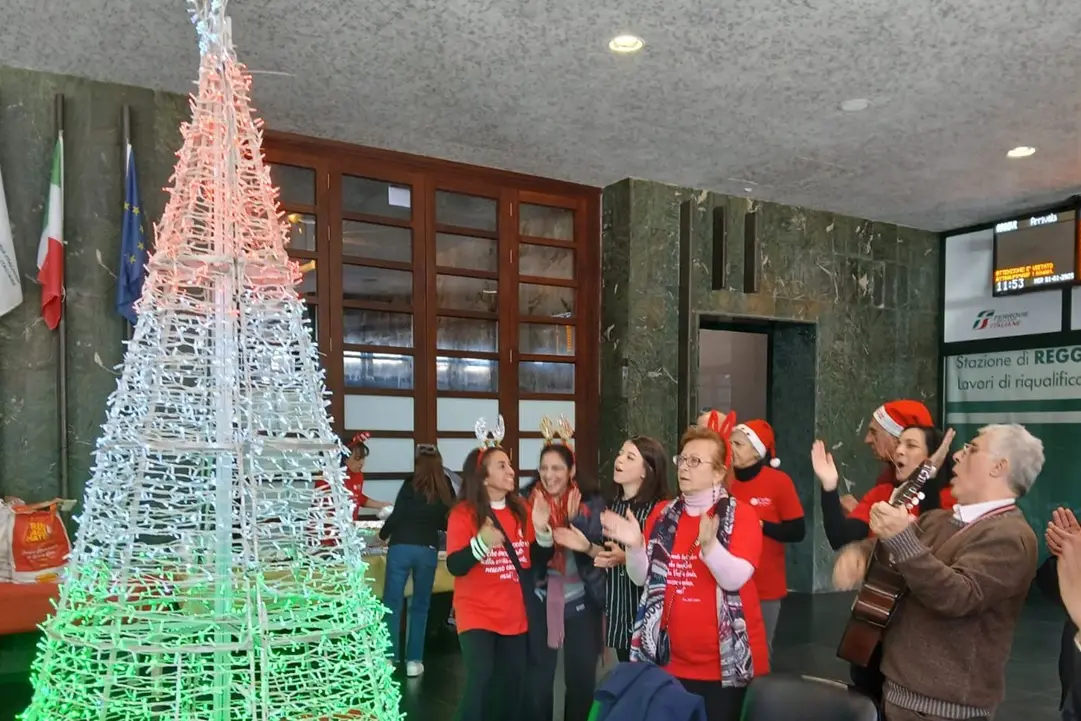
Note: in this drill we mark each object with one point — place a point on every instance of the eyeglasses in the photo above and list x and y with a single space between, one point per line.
689 461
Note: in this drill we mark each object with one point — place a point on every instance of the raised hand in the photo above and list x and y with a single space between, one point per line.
542 514
1069 574
1063 523
611 556
850 568
490 535
571 538
824 467
707 531
574 503
624 529
939 456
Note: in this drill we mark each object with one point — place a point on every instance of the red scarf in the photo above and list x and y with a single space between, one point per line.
558 518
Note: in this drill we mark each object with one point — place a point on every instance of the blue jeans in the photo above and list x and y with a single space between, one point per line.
421 562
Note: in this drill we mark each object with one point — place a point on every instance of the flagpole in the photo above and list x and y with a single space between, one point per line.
62 341
129 330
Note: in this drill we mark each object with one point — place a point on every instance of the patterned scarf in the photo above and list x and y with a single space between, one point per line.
737 668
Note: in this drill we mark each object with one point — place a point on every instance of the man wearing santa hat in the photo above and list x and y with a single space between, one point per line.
771 493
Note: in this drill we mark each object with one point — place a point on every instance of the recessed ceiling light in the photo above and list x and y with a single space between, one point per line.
626 44
855 105
1021 151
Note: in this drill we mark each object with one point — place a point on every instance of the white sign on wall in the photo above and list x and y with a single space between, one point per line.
971 313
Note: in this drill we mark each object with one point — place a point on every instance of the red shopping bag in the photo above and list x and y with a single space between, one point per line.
39 543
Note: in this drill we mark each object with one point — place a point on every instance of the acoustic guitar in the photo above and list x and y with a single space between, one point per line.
882 587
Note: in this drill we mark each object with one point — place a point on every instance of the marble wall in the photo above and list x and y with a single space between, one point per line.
866 292
29 434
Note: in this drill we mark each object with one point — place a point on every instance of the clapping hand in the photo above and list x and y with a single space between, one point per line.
624 529
1063 524
491 536
824 467
708 525
541 514
611 556
1069 573
571 538
939 456
850 568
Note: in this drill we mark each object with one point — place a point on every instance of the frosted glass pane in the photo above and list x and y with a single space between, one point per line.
454 451
529 452
378 413
390 455
382 490
531 412
461 414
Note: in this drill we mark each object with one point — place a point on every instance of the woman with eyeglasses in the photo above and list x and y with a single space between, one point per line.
699 618
420 513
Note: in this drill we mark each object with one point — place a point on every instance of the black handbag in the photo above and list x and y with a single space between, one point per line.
535 609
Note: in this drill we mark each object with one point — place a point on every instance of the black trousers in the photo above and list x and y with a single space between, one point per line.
722 704
624 655
495 675
583 644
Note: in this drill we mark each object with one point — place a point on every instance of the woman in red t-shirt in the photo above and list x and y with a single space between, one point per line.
772 495
489 605
354 480
699 612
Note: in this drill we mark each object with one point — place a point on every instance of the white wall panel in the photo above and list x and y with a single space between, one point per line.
390 455
531 412
461 414
454 451
378 413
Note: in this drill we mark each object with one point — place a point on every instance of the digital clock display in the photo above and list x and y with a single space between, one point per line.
1037 252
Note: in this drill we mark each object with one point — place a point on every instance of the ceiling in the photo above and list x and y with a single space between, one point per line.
740 97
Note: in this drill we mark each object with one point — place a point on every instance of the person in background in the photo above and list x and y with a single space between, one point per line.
700 618
1064 533
967 573
1063 525
772 495
489 600
419 514
354 480
640 476
573 587
914 446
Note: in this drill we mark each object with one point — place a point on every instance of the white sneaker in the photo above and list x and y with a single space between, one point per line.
413 668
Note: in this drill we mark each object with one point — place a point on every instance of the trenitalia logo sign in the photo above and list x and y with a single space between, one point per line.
988 319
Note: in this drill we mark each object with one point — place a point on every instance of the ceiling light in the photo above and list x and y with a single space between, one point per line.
855 105
1021 151
626 44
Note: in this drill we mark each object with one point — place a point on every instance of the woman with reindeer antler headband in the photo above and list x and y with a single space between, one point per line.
700 617
493 540
572 586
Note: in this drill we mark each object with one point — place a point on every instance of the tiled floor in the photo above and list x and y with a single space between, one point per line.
805 643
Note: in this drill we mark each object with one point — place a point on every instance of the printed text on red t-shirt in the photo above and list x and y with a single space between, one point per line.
498 563
681 576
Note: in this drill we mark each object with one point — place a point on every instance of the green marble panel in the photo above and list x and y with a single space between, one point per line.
867 290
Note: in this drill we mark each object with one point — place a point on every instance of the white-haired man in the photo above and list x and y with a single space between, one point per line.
968 571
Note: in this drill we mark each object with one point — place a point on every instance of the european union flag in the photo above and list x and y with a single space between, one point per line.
133 249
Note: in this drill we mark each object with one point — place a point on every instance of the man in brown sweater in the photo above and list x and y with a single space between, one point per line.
968 571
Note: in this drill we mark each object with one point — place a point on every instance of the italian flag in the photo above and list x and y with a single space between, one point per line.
51 247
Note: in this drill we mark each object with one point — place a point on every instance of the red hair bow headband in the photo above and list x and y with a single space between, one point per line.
360 438
723 428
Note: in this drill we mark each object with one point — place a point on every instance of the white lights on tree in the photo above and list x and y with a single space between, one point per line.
211 580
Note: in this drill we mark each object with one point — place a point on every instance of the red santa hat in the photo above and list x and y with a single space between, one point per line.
760 434
895 416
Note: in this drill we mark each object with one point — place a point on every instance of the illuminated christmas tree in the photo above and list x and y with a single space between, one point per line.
210 580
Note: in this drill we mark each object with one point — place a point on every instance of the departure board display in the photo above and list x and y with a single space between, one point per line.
1037 252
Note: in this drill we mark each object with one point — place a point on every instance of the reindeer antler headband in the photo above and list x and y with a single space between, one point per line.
563 429
723 428
489 437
